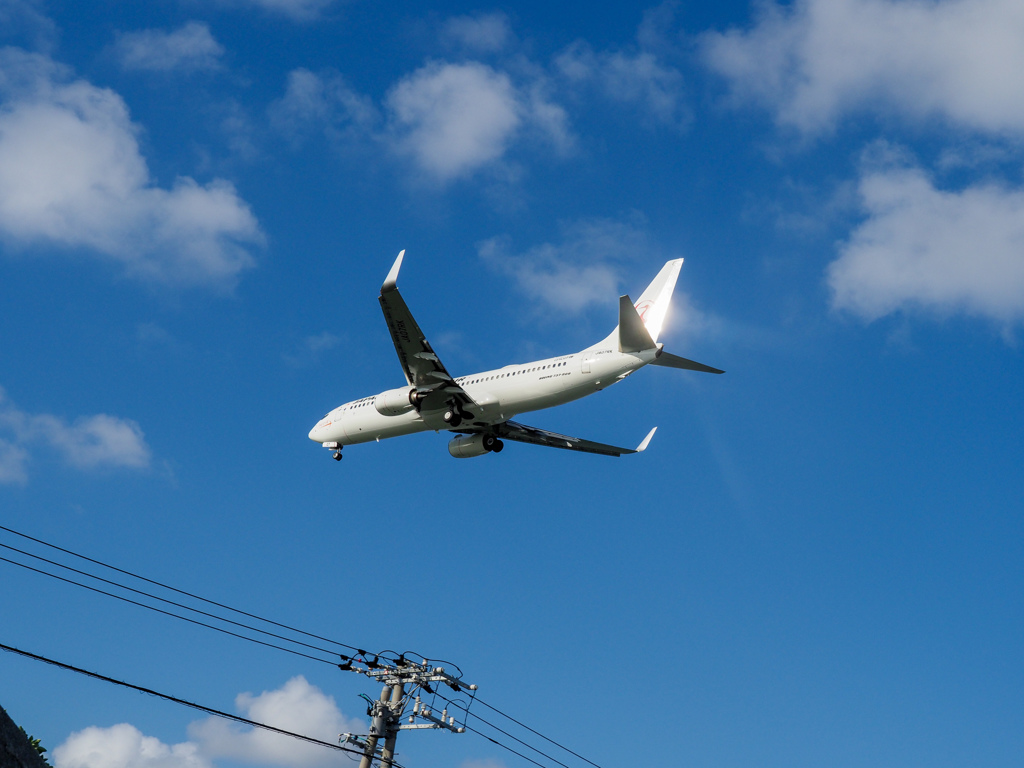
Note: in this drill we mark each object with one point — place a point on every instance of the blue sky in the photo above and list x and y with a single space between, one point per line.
818 560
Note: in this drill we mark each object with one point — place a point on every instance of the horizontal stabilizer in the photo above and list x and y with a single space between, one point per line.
633 335
674 361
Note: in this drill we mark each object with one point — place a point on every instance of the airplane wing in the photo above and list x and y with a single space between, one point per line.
521 433
422 367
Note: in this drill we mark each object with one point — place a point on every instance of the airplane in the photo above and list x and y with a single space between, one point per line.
479 408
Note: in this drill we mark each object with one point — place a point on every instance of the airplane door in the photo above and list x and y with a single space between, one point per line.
586 364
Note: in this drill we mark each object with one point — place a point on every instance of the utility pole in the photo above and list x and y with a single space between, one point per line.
380 712
405 683
388 754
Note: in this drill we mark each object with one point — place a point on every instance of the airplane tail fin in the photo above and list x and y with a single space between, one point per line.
652 306
640 323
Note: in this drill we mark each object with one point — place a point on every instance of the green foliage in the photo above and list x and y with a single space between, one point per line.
39 748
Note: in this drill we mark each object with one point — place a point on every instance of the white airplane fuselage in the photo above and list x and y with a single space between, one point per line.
479 408
501 394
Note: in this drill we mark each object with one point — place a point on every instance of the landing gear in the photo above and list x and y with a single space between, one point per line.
452 417
336 455
491 443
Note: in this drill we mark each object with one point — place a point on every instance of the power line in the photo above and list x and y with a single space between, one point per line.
392 707
150 595
167 613
359 651
165 600
499 730
537 733
183 702
505 746
522 725
179 591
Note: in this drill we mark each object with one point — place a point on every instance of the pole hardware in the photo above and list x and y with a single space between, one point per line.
403 682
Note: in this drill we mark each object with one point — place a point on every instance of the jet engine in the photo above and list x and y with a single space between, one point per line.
394 401
468 446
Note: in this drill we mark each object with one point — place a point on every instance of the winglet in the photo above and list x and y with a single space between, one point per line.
643 445
392 279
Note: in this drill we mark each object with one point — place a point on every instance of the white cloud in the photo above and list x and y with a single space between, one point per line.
583 269
925 248
814 61
627 77
151 336
297 10
298 707
104 440
453 119
311 348
27 17
71 175
320 342
124 746
90 442
324 101
13 459
637 75
188 49
239 130
448 120
547 119
596 261
481 33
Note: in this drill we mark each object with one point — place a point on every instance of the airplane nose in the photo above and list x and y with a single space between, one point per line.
313 434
